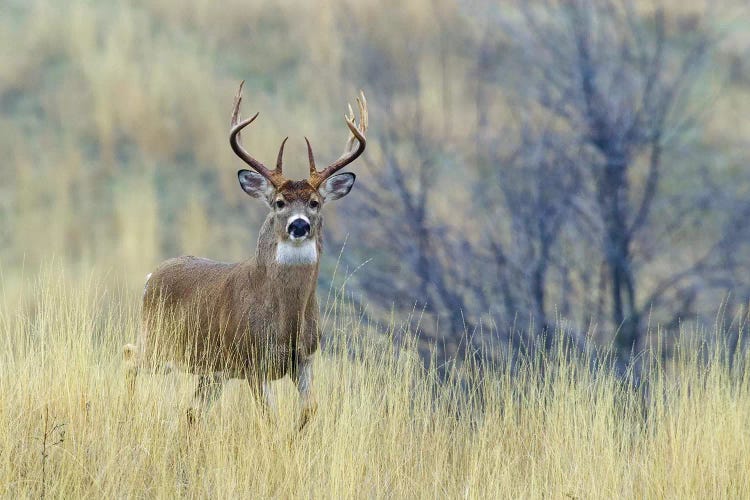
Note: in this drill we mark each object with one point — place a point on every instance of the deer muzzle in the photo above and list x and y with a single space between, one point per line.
299 227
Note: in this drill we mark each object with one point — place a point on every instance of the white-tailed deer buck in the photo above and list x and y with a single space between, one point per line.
256 319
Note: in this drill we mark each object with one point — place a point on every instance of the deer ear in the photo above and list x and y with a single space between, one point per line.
254 184
337 186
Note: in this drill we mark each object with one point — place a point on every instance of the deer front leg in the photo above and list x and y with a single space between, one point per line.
208 390
304 380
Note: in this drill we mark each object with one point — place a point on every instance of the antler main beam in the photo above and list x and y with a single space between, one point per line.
275 176
357 133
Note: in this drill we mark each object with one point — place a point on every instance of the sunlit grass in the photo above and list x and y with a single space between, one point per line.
386 426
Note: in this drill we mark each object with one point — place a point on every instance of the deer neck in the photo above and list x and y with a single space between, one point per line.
288 281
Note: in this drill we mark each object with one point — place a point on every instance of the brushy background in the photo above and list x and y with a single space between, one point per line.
550 224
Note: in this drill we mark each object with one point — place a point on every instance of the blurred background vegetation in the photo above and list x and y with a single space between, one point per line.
528 164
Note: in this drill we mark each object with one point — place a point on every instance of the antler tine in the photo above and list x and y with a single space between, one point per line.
274 176
311 159
236 105
279 159
357 133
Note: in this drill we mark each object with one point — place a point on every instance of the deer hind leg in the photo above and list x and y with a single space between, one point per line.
132 363
209 389
133 354
136 361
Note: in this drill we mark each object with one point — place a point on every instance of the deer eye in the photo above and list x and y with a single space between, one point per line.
280 204
314 204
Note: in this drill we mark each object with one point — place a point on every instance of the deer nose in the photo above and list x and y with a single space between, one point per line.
298 228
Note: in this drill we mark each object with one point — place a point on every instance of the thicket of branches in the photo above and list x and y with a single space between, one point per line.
581 202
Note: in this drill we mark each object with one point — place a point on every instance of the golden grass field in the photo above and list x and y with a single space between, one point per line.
386 427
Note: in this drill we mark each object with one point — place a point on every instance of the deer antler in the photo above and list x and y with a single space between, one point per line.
274 176
350 153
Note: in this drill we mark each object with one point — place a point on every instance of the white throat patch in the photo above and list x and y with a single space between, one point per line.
297 254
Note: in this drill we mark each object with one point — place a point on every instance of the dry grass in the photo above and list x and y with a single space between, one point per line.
386 427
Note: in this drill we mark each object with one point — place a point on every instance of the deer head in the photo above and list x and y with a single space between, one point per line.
296 204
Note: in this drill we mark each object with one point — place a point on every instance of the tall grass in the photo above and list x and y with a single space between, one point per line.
386 426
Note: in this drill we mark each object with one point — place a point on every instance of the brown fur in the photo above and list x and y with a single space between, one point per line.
298 190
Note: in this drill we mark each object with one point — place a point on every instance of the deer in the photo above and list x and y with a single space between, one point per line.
257 319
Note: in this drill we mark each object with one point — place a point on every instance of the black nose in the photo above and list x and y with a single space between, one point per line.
299 228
